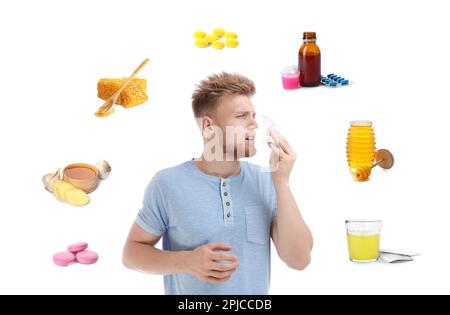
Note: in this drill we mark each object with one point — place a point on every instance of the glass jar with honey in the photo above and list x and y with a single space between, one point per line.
360 148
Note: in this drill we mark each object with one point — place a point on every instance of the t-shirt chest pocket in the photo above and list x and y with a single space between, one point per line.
258 221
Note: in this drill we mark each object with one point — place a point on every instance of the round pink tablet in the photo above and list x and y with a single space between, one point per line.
64 259
87 257
78 247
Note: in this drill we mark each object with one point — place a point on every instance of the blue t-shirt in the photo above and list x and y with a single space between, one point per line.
189 208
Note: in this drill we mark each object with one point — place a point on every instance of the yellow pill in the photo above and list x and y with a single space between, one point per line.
211 38
219 32
201 43
232 43
229 35
218 44
199 34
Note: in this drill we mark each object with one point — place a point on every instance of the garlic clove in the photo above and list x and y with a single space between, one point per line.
103 169
60 173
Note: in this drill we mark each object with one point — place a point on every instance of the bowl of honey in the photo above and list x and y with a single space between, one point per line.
82 176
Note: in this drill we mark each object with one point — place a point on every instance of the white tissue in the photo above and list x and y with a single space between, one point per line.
396 256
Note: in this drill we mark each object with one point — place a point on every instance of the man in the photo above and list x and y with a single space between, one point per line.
216 214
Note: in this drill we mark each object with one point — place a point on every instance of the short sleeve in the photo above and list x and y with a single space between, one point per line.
153 215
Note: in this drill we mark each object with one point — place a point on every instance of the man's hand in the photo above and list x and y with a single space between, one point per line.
282 158
203 263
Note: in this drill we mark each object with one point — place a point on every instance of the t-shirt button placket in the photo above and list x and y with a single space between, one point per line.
226 204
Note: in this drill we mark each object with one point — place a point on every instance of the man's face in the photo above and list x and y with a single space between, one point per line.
235 116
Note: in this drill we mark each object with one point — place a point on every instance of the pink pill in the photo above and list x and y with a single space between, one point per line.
87 257
64 259
77 247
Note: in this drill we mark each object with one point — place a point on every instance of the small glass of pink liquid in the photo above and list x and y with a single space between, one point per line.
290 77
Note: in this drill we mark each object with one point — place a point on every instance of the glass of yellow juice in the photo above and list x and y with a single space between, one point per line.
363 238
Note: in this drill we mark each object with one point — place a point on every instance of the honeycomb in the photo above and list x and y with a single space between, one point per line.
133 94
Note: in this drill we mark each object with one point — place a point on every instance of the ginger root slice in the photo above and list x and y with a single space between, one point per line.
59 189
76 197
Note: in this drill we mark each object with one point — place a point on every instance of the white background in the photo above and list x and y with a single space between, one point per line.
53 53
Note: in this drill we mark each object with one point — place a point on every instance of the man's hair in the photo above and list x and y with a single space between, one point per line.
207 93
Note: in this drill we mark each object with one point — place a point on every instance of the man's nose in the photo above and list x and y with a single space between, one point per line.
254 124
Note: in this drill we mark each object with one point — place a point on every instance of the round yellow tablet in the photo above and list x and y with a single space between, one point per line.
232 43
219 32
218 44
211 38
201 43
229 35
199 34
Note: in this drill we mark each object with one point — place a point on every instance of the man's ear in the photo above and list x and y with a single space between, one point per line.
206 122
207 127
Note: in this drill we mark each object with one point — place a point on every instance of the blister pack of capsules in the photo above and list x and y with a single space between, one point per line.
333 80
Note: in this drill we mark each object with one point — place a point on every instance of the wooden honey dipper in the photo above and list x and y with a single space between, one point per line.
383 158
